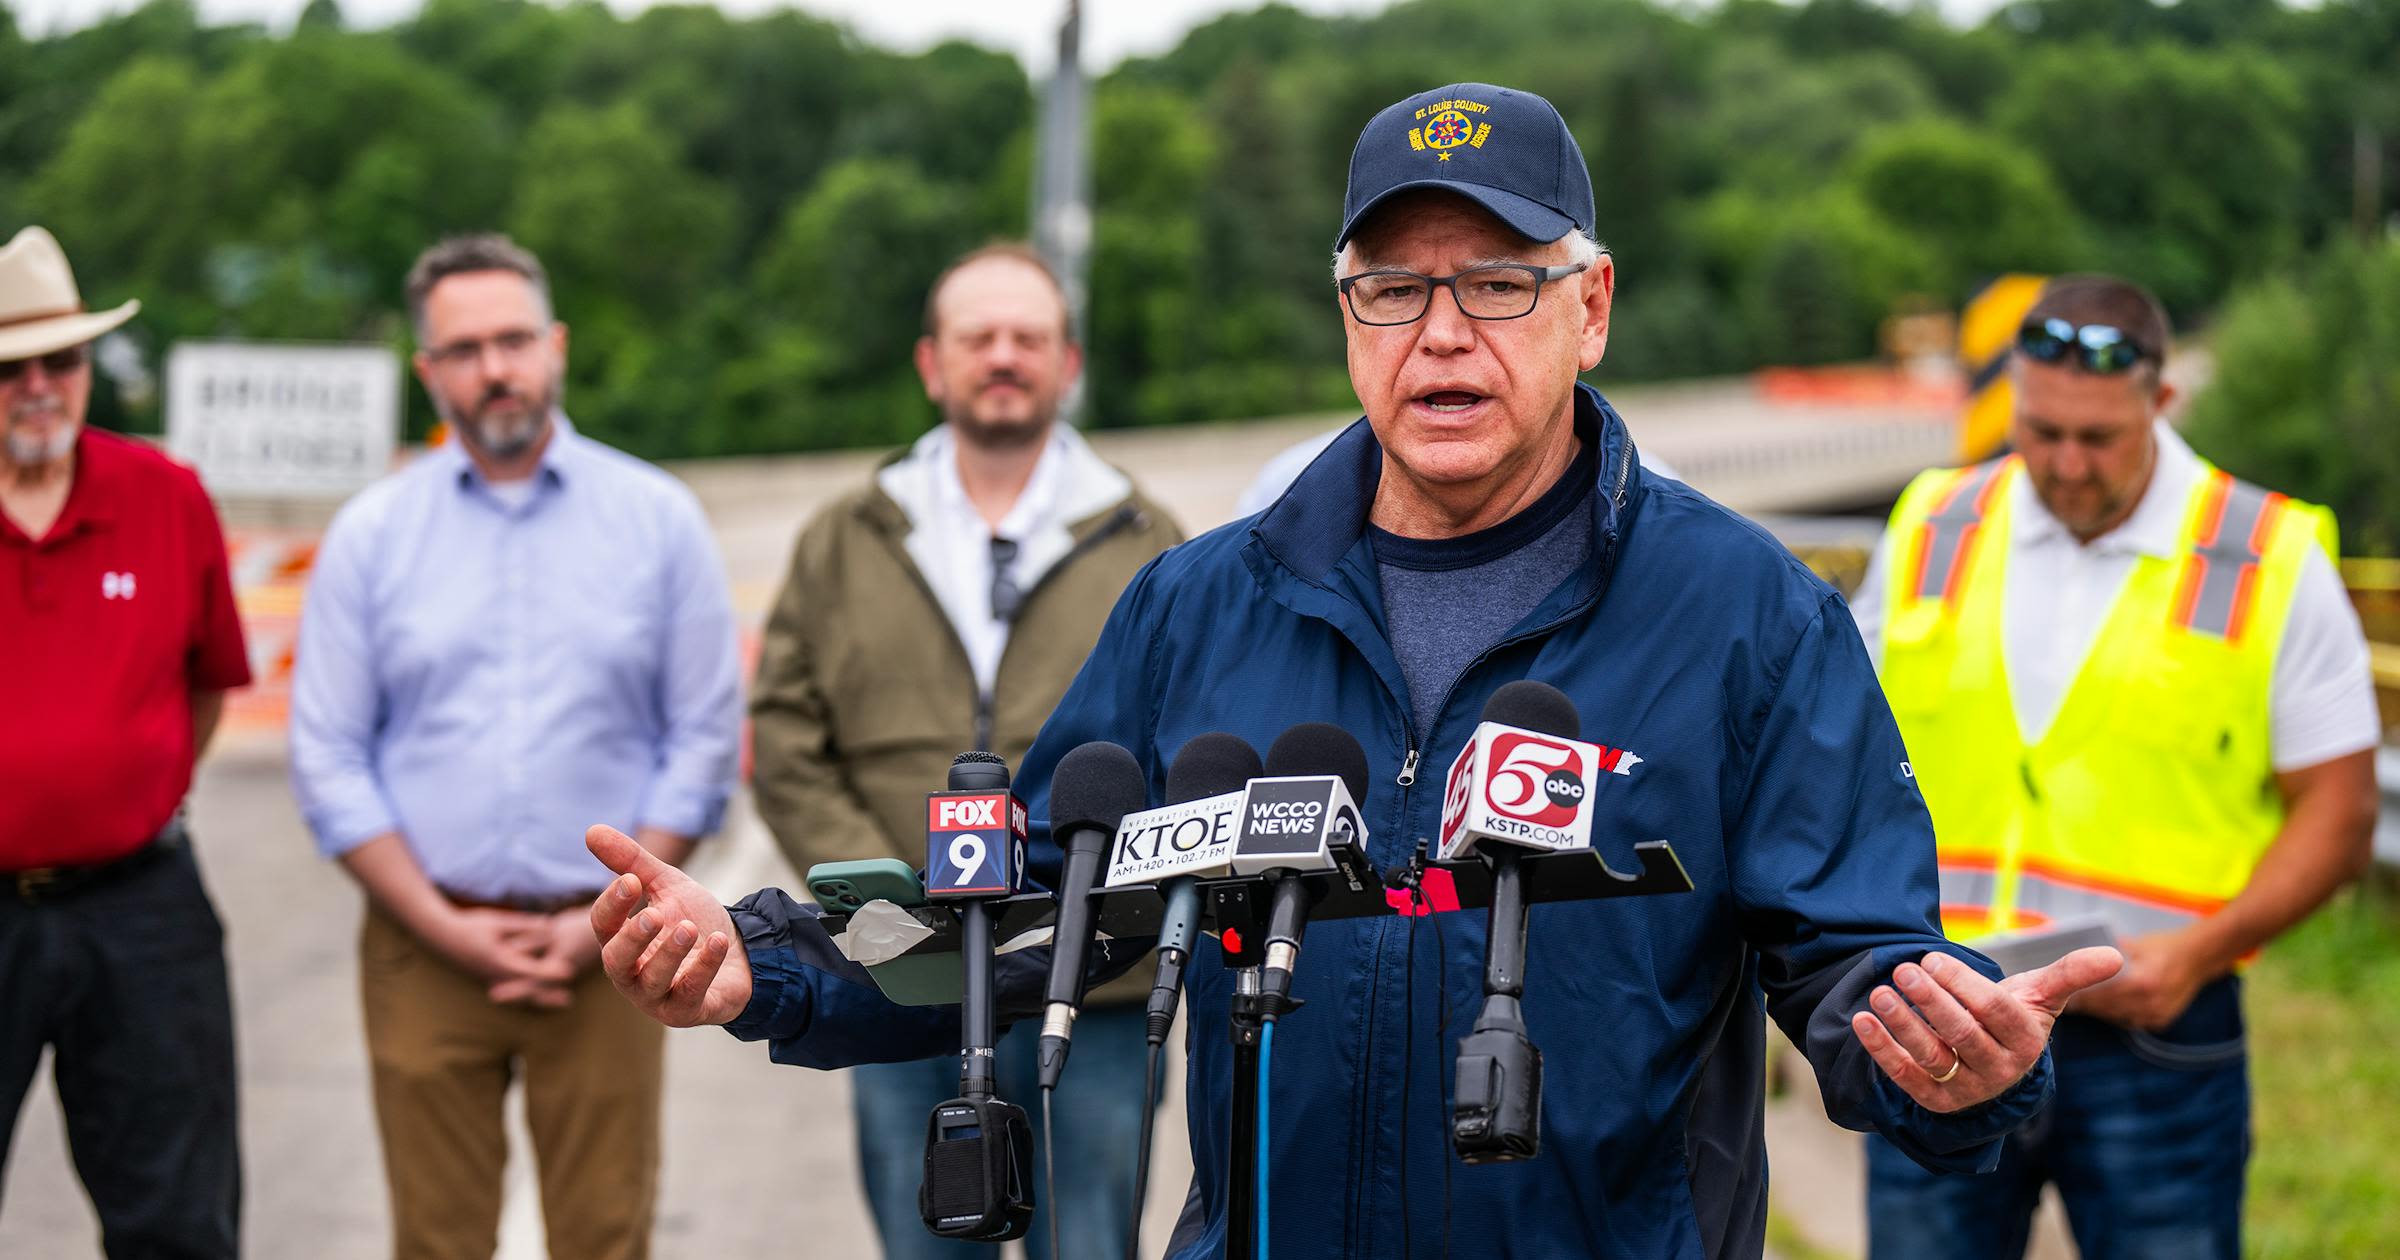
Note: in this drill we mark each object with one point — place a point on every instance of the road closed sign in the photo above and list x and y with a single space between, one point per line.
283 421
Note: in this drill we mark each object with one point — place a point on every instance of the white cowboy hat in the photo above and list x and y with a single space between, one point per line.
40 309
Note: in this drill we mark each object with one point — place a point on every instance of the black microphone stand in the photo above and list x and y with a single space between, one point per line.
1496 1114
1249 1019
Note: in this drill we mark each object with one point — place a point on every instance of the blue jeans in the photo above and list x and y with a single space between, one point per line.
2146 1140
1099 1114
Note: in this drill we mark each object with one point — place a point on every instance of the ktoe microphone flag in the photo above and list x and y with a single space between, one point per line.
1194 832
1191 837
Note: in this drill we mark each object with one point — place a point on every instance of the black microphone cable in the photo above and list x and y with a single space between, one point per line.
1141 1160
1441 1034
1050 1168
1412 878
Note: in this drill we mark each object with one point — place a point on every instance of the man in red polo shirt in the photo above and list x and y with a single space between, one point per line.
117 643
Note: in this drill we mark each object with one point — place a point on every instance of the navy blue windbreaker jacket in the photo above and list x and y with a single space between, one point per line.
1768 759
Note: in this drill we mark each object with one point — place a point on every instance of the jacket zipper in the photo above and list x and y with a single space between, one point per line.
1408 765
1408 777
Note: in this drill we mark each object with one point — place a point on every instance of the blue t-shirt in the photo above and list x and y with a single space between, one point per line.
1448 600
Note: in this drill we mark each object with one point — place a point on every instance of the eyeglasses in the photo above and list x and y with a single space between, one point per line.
56 363
512 344
1007 599
2101 348
1505 291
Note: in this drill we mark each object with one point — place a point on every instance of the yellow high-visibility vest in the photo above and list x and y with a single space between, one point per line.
2151 796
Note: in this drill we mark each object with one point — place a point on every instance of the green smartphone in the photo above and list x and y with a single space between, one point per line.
910 980
842 887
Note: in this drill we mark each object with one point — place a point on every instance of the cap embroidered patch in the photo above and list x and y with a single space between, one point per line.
1449 124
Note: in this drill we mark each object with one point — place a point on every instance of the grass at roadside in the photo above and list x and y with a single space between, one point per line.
1786 1242
2324 1015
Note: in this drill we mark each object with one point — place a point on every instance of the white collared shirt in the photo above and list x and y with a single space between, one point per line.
952 544
2322 695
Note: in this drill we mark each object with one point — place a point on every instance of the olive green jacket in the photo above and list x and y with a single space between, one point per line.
864 693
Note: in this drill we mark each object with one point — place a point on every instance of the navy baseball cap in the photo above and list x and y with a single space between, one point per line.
1505 150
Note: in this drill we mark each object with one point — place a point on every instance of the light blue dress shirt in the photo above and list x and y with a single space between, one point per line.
488 678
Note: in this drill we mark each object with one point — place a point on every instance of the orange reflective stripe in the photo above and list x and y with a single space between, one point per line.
1947 537
2129 891
2213 594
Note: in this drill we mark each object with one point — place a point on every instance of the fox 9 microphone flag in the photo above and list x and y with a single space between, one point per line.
974 844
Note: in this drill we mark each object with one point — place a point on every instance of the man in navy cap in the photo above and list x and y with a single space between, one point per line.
1487 520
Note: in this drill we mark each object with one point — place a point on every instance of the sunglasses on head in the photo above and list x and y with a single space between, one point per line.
2102 348
56 363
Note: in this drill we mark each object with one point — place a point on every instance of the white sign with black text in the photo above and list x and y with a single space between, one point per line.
283 420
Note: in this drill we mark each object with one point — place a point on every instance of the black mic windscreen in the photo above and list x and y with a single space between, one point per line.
978 771
1096 785
1534 706
1211 765
1320 748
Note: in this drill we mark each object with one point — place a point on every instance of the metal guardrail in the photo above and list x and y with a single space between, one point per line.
2387 823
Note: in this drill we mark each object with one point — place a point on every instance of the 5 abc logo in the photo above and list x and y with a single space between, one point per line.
1535 780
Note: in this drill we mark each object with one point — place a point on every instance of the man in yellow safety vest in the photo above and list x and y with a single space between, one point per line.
2138 703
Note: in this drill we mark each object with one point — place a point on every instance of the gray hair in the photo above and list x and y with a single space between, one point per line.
459 255
1582 247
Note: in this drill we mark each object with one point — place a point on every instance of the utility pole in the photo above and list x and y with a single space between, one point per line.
1062 190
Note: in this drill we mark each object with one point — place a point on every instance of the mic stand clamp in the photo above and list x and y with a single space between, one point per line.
1496 1112
978 1150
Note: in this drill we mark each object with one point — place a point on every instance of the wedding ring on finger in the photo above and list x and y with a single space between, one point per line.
1955 1062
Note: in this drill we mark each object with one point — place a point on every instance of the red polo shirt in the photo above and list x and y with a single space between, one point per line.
108 624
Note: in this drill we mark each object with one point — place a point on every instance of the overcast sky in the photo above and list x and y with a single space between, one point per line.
1112 29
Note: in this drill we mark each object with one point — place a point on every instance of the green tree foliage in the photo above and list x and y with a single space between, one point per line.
741 213
2306 396
1978 204
2186 163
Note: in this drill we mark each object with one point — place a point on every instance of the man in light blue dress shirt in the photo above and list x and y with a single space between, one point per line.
523 631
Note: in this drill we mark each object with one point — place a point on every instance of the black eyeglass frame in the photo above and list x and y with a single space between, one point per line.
2093 347
56 363
1539 275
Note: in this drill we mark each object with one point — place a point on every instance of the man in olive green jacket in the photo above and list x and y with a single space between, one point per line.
945 606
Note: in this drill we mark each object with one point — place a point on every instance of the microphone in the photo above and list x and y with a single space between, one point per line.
1191 837
1303 816
977 1148
1522 782
1094 787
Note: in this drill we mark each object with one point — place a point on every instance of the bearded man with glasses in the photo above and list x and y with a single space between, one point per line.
945 605
118 641
460 702
2139 705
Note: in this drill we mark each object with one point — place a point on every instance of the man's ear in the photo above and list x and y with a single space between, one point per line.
1599 295
929 369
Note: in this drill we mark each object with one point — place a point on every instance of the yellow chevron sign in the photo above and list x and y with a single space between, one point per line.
1986 329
